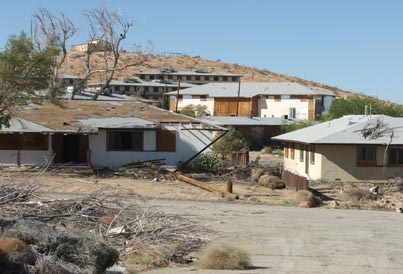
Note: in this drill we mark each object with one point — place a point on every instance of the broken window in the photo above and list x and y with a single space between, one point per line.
366 156
395 156
125 140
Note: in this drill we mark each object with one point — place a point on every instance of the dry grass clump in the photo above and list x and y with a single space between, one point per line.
358 195
224 256
308 199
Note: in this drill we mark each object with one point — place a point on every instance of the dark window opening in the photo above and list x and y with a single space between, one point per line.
125 140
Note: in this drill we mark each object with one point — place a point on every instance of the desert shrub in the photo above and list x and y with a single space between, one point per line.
308 199
195 110
224 256
266 150
358 195
208 162
232 141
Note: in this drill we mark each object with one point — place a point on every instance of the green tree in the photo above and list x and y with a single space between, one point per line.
23 72
232 141
356 105
195 111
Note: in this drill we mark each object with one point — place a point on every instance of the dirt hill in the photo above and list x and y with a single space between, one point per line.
75 64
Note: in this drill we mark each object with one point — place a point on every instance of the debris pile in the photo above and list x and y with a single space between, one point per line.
85 235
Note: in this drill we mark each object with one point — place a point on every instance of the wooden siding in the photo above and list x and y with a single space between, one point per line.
166 140
293 181
228 106
311 109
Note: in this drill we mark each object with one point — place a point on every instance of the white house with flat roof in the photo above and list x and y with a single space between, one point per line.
352 148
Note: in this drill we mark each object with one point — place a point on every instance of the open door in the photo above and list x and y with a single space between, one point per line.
70 149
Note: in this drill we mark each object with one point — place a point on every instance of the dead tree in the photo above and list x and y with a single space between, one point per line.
107 32
51 33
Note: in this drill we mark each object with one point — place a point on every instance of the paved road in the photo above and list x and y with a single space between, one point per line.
300 240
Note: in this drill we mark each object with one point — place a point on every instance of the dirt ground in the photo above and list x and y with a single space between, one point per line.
280 237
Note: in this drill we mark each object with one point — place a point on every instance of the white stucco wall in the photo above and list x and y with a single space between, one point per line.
28 157
195 100
272 108
188 143
298 167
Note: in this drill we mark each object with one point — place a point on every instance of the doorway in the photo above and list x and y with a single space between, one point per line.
70 149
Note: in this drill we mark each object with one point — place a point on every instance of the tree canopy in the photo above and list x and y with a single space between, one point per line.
356 105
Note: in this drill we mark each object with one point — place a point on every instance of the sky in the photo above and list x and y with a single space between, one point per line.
355 45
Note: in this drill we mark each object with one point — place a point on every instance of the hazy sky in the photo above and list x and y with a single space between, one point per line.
356 45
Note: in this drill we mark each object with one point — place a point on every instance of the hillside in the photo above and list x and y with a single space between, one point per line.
75 64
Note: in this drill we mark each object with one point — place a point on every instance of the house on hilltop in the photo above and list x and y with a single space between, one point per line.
352 148
100 134
93 45
287 100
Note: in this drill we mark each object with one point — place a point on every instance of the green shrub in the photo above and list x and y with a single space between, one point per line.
211 162
232 141
266 150
224 256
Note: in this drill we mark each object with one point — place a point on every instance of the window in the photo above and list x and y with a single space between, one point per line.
301 152
188 77
395 156
366 156
27 141
197 77
215 78
151 77
125 140
292 151
312 154
143 77
277 98
225 78
286 150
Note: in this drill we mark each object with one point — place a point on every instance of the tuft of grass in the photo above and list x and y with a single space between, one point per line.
266 150
308 199
224 256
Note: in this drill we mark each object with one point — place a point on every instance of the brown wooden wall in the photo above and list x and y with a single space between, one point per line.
166 140
228 106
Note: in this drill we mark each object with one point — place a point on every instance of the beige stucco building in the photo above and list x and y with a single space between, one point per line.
352 148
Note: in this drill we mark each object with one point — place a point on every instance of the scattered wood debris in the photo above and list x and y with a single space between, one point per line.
86 235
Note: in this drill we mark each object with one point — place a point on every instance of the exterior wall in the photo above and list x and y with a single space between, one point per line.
199 79
27 157
192 100
271 107
188 143
339 162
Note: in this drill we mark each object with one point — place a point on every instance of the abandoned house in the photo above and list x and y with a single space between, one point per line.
93 45
352 148
196 76
100 134
287 100
257 131
152 90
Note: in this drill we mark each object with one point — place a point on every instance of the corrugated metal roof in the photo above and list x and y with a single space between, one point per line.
73 114
21 125
350 129
246 121
117 123
252 89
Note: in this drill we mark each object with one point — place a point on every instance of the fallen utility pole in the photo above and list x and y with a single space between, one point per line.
191 181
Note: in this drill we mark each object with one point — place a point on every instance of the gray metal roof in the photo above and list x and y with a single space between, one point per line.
350 129
21 125
117 123
252 89
87 95
246 121
190 73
